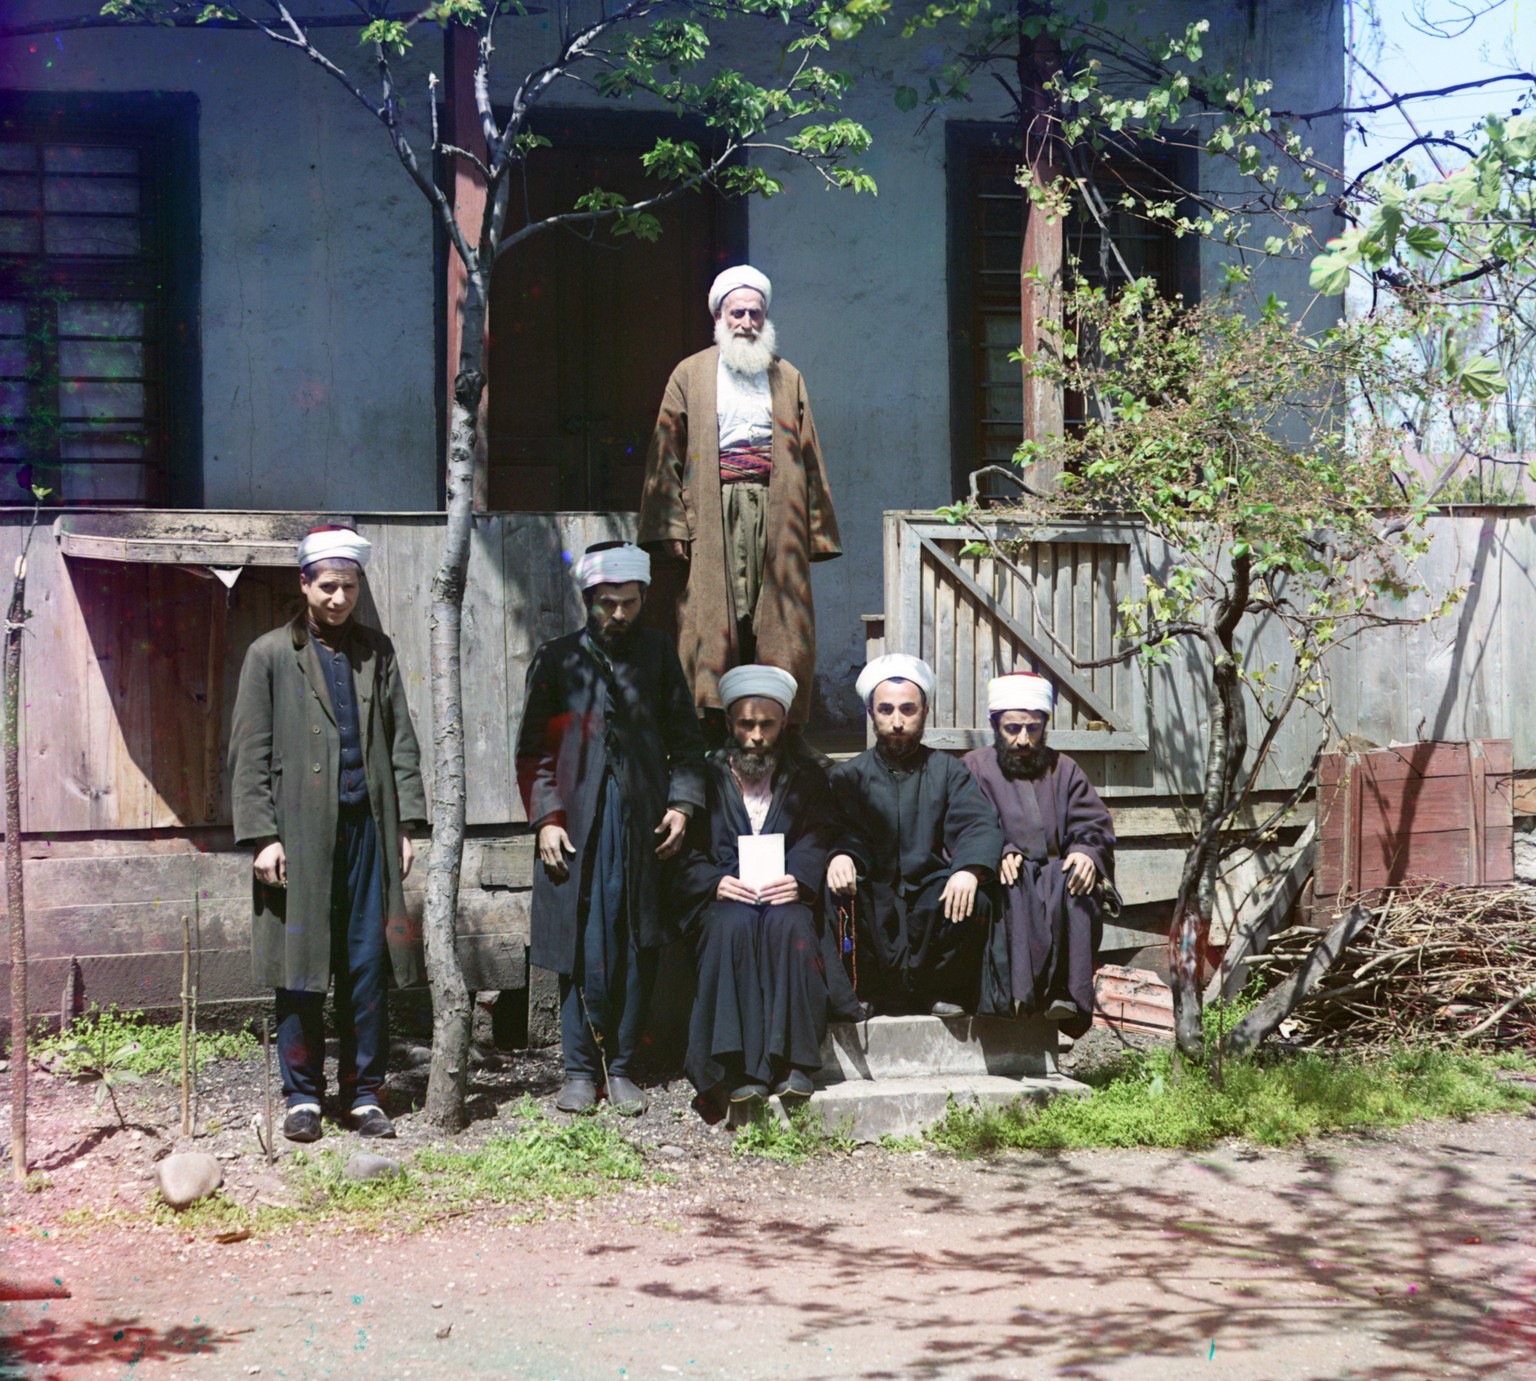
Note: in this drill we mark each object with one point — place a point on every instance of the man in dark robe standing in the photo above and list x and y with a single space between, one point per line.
735 487
1059 843
761 1009
610 766
922 840
325 779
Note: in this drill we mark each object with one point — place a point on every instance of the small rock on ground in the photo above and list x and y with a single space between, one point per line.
188 1177
361 1165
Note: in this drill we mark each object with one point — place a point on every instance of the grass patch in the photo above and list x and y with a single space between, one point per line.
535 1163
766 1138
136 1044
1275 1102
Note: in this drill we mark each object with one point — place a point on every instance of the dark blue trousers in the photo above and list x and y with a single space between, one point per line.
360 972
610 983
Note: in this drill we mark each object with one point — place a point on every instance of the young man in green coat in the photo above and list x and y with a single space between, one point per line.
324 779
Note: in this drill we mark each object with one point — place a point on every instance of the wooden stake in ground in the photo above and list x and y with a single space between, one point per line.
15 625
266 1045
186 1023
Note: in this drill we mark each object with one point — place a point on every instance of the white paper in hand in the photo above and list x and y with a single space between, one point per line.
761 858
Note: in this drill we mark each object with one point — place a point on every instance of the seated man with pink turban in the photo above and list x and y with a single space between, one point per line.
1060 843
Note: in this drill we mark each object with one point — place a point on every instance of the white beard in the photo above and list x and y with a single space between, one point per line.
743 356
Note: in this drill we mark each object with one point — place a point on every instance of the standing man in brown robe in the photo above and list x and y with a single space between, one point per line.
1060 843
735 488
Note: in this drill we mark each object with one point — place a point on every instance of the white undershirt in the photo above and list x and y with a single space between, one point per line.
745 407
756 797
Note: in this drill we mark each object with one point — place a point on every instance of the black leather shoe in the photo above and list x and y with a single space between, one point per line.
577 1095
372 1121
302 1124
625 1096
749 1093
796 1086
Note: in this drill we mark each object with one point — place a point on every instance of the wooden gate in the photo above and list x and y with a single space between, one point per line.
972 618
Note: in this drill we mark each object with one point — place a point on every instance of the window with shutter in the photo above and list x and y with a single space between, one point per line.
98 277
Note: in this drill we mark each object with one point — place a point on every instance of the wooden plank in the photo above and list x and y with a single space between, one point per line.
488 782
1068 740
127 928
1441 857
1426 806
146 981
965 670
944 658
534 562
1522 799
405 556
507 863
1051 664
1148 875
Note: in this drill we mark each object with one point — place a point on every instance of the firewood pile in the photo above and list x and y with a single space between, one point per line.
1436 964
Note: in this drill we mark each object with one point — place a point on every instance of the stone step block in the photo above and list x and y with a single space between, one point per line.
939 1047
867 1110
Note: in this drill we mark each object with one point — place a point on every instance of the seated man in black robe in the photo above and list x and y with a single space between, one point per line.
923 839
1060 843
761 1009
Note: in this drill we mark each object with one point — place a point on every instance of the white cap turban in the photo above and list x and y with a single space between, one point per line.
334 544
758 679
613 566
742 276
1021 691
896 666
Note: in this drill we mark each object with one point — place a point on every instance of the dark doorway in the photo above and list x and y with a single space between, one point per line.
586 329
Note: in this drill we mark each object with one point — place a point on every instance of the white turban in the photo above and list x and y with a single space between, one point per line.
333 544
1021 691
613 566
742 276
896 666
758 679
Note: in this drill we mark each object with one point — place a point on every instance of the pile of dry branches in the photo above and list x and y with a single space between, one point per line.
1437 964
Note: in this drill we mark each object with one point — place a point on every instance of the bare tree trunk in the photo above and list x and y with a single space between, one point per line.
451 1007
15 621
452 1010
1226 748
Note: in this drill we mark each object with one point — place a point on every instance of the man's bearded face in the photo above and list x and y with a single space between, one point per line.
614 611
757 723
900 714
743 332
1021 744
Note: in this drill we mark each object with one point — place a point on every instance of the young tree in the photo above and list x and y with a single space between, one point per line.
656 50
1266 458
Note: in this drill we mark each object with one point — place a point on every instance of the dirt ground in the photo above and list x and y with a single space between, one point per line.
1409 1255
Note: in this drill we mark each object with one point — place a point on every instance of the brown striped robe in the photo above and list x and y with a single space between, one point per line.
682 502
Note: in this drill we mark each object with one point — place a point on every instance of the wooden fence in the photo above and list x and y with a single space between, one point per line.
1139 733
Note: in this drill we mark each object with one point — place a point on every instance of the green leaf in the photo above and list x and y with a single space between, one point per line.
1330 274
1482 378
906 98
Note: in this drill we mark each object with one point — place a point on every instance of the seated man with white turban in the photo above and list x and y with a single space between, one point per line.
923 839
324 780
1060 843
761 1009
610 765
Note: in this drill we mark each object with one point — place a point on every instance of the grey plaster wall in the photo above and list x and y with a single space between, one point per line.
318 299
316 283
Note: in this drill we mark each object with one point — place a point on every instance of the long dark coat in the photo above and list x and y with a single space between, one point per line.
801 809
579 722
682 502
285 765
1049 944
955 827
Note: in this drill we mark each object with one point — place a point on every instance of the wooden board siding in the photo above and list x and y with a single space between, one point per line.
131 667
1424 811
120 916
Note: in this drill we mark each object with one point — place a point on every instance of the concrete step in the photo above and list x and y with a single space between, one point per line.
884 1048
868 1109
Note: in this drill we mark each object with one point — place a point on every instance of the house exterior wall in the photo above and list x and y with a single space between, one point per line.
318 336
317 291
